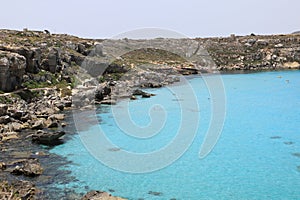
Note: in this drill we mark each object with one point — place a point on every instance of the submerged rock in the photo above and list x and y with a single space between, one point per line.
155 193
296 154
288 143
275 137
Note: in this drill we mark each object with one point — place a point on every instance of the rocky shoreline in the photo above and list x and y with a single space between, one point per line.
44 76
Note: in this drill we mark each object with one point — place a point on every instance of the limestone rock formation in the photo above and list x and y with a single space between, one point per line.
12 69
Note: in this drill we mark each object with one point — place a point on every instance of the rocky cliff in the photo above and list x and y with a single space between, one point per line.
255 52
40 59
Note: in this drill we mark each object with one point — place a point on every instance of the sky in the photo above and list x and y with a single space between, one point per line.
192 18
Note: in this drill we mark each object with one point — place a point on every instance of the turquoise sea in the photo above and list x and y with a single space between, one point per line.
256 157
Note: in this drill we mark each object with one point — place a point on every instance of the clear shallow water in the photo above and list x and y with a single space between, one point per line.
253 158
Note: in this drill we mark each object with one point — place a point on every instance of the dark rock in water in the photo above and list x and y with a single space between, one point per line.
114 149
138 92
99 195
133 97
146 95
27 167
47 137
288 143
298 167
155 193
111 190
275 137
296 154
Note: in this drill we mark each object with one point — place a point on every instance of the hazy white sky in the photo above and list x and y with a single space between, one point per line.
194 18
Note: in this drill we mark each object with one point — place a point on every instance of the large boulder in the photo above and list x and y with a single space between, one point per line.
12 69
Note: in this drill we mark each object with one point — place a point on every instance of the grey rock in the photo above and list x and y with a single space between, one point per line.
47 138
12 69
52 61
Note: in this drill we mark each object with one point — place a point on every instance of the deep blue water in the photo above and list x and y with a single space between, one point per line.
254 158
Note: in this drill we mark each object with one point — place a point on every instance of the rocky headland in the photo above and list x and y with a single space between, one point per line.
44 75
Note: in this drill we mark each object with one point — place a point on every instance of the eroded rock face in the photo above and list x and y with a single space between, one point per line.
32 56
12 69
52 62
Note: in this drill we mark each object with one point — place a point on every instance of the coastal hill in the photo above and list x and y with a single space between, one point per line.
40 59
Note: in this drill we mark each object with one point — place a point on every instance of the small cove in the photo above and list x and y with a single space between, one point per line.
255 157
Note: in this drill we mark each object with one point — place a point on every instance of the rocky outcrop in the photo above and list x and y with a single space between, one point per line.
254 52
32 55
12 69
